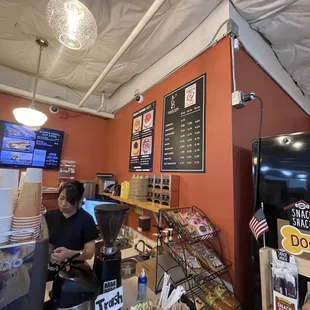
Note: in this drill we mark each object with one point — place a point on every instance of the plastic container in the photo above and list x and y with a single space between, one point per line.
142 286
125 189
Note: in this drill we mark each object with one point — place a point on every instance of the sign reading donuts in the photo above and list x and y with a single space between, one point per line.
294 241
142 139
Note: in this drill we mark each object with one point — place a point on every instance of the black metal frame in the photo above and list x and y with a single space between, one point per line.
194 279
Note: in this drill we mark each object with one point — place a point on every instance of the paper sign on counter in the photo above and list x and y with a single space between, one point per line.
112 300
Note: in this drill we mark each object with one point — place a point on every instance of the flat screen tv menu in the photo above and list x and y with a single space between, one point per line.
142 139
183 142
23 147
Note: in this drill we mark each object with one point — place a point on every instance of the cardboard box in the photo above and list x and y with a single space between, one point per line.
150 271
166 262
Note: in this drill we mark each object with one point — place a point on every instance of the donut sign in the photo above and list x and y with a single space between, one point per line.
294 241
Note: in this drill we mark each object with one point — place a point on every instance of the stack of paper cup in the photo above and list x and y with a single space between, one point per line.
9 179
30 223
6 212
33 175
28 212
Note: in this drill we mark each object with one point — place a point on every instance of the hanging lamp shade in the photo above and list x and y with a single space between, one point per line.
72 23
29 117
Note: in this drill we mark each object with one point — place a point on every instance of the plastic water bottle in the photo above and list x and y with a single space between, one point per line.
142 286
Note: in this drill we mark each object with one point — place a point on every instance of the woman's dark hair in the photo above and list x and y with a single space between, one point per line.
74 191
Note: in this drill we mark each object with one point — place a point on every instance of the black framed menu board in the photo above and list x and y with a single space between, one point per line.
142 139
183 139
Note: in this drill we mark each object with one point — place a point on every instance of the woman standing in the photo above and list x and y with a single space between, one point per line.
71 229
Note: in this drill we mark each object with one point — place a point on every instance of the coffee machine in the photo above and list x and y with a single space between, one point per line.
107 263
23 272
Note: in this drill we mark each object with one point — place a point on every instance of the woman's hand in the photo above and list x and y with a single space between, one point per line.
59 255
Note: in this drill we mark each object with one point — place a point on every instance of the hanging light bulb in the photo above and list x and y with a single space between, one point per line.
72 23
30 116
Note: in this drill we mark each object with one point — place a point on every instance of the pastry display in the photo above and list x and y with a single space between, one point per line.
207 256
198 256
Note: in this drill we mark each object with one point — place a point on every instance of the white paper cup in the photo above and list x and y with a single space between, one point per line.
6 202
5 225
5 228
22 226
33 175
9 179
4 239
27 218
6 218
24 237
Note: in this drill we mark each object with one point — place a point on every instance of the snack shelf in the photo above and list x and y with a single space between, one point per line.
202 275
194 246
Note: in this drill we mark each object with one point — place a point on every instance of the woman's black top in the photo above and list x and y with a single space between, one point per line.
73 232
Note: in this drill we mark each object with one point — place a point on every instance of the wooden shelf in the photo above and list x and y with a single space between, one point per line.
146 205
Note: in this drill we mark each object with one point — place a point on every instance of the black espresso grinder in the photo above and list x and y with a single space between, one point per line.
107 263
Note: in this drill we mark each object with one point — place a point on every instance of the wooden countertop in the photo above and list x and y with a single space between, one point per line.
146 205
50 192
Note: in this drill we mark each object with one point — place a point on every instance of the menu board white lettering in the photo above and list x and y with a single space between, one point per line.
183 140
142 139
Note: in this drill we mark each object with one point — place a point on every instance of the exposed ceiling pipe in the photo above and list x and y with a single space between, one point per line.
101 102
143 22
52 101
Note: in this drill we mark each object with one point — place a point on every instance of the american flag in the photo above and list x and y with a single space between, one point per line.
258 223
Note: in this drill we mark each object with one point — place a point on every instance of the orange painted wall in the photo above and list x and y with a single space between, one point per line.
85 138
211 191
281 115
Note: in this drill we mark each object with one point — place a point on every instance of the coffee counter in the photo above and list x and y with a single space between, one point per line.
146 205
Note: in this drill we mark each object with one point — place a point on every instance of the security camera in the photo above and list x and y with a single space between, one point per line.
54 109
139 97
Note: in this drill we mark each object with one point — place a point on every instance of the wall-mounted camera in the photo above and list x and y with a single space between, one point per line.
138 96
54 109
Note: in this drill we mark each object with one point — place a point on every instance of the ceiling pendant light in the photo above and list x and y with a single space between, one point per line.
72 23
30 116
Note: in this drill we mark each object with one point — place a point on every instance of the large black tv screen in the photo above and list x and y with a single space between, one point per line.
22 147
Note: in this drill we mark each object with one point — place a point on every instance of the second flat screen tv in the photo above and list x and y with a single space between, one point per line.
22 147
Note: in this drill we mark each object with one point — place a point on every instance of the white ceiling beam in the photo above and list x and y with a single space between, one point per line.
191 47
263 54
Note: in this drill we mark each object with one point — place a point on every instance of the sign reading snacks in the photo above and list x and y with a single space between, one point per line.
299 214
183 142
110 301
142 139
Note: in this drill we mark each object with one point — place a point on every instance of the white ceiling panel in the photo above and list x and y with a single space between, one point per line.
22 20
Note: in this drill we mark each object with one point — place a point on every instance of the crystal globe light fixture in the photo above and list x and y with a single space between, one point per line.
72 23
